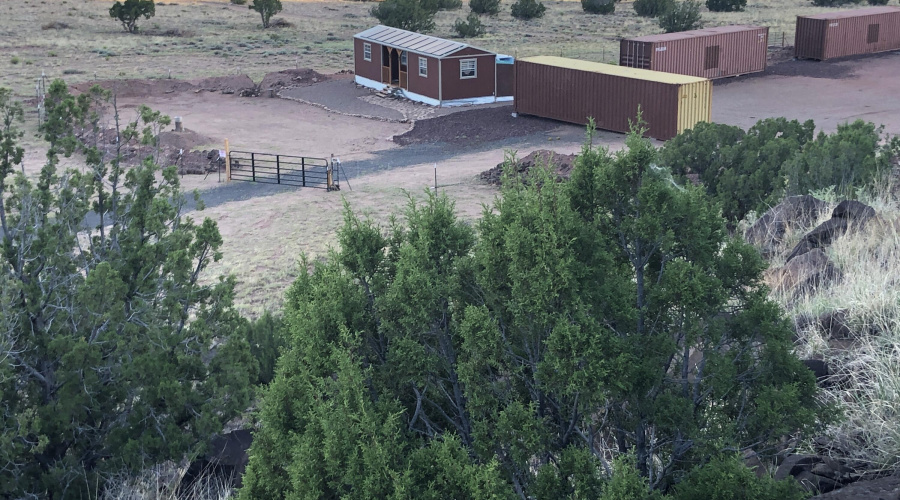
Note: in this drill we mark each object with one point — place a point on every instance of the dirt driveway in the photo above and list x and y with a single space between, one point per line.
830 93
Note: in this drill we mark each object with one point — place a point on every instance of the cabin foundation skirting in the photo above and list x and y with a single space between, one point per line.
412 96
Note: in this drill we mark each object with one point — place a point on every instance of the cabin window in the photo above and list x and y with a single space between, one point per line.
367 51
467 68
712 57
873 33
423 67
403 60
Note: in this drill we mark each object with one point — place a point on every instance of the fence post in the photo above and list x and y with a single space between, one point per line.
278 169
253 166
303 170
227 161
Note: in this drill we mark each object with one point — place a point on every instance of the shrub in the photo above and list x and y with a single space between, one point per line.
598 6
265 336
470 28
15 60
239 2
727 477
652 8
449 4
412 15
849 158
726 5
878 2
528 9
129 12
490 7
835 3
266 9
681 16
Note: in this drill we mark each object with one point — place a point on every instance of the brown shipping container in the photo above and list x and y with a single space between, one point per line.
847 33
573 91
709 53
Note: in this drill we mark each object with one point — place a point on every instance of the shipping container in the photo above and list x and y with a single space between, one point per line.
574 91
847 33
709 53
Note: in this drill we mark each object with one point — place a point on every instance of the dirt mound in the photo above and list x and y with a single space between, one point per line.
291 78
186 140
227 84
474 127
562 165
137 88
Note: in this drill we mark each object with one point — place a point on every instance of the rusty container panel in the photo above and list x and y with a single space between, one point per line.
709 53
848 33
574 91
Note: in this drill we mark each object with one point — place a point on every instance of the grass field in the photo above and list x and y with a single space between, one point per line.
77 39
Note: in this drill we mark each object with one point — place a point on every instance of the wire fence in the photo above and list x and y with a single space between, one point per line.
781 39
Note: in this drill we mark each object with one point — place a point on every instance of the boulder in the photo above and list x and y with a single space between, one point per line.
817 474
834 325
854 211
885 488
225 461
806 272
819 369
848 215
794 212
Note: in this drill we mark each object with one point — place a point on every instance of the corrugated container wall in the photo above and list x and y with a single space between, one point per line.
847 33
708 53
574 91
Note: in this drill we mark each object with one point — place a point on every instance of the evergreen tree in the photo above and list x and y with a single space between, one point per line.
107 329
582 321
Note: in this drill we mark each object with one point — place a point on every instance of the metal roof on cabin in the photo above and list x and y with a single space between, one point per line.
408 40
680 35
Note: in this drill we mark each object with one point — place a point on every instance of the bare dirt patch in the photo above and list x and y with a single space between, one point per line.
474 127
865 88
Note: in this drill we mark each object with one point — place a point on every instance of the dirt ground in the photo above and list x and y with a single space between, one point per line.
830 93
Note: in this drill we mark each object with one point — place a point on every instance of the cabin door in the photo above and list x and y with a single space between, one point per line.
394 67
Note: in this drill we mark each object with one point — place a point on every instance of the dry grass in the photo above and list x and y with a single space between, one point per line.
866 368
161 483
194 39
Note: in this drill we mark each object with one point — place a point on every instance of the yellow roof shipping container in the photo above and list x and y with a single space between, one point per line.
573 91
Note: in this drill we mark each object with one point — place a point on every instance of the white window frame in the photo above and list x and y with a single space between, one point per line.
474 63
367 48
423 67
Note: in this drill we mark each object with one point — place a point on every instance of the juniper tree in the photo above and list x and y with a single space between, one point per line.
578 322
107 324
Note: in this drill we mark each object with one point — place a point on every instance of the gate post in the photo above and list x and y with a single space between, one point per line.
303 169
278 169
227 162
253 166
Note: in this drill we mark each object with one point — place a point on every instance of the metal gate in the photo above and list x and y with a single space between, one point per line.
269 168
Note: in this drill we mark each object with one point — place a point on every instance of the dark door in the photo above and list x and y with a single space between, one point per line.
395 67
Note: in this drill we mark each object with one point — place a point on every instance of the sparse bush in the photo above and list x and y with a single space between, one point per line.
598 6
726 5
449 4
281 23
528 9
239 2
681 16
490 7
54 25
652 8
412 15
834 3
470 28
266 9
15 60
129 12
878 2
